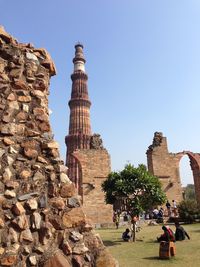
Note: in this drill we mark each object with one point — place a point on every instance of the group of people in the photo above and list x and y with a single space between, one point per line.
169 235
158 213
171 209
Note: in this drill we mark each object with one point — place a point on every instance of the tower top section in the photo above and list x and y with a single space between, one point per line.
79 60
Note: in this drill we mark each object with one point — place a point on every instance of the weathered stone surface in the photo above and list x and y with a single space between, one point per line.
8 141
25 107
21 221
38 176
32 204
26 250
42 160
7 174
8 129
2 250
13 236
67 250
63 168
12 150
13 249
2 224
21 116
38 250
14 105
67 190
25 174
30 153
26 235
28 196
73 202
36 220
24 99
58 260
76 236
32 260
51 145
7 37
57 203
56 221
11 97
73 218
77 261
80 249
18 209
105 259
64 178
10 194
8 260
9 160
43 201
11 184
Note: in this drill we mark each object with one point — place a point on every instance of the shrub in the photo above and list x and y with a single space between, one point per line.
189 211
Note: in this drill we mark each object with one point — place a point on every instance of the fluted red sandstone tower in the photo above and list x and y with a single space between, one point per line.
87 160
79 126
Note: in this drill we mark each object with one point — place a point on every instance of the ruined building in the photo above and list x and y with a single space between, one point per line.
165 165
41 219
87 160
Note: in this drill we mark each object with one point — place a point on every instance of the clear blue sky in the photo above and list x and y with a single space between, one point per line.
143 62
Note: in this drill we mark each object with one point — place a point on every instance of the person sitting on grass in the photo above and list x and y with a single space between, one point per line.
126 236
180 232
167 236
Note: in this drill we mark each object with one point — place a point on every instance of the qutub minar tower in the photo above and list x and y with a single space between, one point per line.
79 136
87 161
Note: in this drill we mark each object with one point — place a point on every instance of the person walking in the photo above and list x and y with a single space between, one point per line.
174 208
168 205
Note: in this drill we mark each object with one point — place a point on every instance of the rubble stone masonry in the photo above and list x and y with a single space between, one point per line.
41 220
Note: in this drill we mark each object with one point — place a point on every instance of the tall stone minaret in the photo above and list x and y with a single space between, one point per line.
79 136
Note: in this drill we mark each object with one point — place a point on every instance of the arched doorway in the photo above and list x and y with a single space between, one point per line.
194 159
186 177
165 165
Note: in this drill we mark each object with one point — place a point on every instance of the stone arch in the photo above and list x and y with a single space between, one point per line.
195 167
165 166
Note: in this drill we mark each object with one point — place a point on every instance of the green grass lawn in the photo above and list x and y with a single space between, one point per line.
145 251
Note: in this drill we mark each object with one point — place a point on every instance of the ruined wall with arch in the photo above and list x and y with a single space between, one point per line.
165 165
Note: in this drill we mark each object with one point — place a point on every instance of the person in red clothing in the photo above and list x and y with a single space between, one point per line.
167 236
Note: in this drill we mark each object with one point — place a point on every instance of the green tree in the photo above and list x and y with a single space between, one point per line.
189 192
136 186
189 210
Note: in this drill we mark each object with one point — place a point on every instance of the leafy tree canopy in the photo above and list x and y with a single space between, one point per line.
189 210
137 186
190 192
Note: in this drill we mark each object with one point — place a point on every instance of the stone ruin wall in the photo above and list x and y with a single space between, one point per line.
41 220
95 167
165 165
